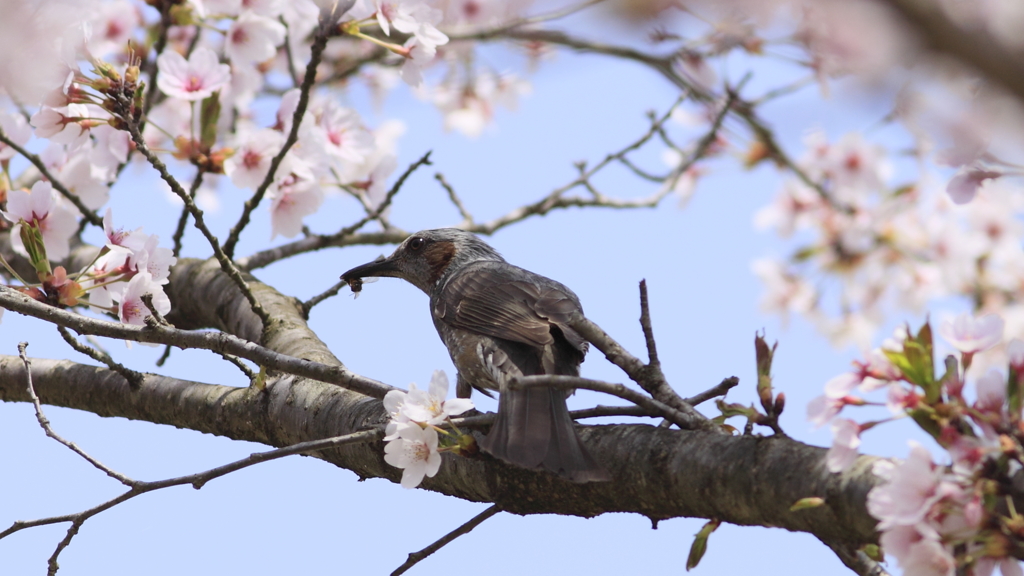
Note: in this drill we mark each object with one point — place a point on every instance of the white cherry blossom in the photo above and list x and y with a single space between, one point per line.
249 165
40 207
193 79
17 129
845 441
970 335
253 38
415 451
132 310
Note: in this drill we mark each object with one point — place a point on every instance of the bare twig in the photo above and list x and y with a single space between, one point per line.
240 365
317 241
88 214
600 411
466 528
324 31
687 420
156 317
718 390
855 559
645 325
329 293
45 424
158 47
134 378
197 215
196 480
649 377
467 218
179 232
218 342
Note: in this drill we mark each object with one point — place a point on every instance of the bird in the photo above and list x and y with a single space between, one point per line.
500 322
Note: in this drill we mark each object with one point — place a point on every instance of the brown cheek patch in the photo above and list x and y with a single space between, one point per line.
438 255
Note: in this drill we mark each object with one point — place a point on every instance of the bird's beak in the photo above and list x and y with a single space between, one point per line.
380 267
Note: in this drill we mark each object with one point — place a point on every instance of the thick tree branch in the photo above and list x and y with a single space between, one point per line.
660 473
976 47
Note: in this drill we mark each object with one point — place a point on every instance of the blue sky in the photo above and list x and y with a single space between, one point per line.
301 515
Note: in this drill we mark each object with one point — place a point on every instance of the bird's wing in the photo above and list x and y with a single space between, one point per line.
503 301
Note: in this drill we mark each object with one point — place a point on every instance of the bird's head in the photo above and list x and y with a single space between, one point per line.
426 257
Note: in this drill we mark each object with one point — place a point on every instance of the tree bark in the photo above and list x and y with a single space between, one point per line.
658 472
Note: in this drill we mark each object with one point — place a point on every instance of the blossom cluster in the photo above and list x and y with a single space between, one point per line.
935 519
865 245
412 434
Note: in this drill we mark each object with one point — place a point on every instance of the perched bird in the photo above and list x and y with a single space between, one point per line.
499 322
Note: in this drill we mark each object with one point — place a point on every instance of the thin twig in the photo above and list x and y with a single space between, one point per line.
691 420
467 218
158 47
466 528
135 379
326 26
600 411
719 389
45 424
240 365
179 232
197 215
645 325
88 214
329 293
196 480
317 241
218 342
650 378
155 316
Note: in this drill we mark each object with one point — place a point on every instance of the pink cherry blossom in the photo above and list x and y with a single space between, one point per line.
17 129
928 558
347 140
40 208
415 451
132 309
292 201
251 161
193 79
911 490
411 17
1015 353
991 392
1008 566
61 125
253 38
845 441
964 186
970 335
420 56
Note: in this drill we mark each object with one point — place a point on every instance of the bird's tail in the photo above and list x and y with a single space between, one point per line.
533 430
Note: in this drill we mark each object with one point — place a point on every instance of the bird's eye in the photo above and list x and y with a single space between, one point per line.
417 243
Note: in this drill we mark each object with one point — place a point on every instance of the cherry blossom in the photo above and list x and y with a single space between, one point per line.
912 487
249 165
415 451
17 129
193 79
112 27
431 406
291 201
845 441
132 310
61 125
411 17
970 335
119 240
253 38
964 186
40 208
